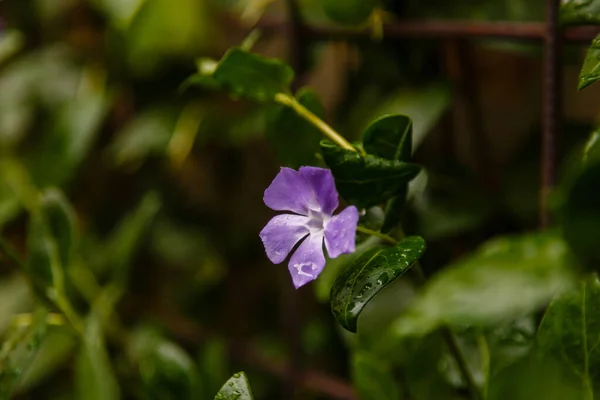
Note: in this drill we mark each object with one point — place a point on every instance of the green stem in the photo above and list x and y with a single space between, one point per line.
380 235
305 113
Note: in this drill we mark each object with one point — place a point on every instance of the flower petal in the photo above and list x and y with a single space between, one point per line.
323 186
308 261
281 234
290 191
340 232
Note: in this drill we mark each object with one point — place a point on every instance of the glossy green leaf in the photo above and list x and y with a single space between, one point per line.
373 378
252 76
390 137
94 376
167 371
570 332
236 388
368 275
296 140
580 12
505 278
60 219
590 72
366 180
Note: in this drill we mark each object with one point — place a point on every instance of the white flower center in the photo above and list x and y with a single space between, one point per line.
316 221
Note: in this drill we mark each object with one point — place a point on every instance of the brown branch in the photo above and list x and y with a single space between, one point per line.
527 31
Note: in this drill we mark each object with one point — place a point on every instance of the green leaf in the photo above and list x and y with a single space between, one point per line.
94 376
296 140
366 180
390 137
120 12
18 351
373 378
578 12
505 278
252 76
126 238
590 72
213 366
368 275
167 371
236 388
60 219
42 252
570 332
581 215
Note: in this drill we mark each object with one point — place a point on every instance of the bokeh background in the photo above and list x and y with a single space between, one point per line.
166 181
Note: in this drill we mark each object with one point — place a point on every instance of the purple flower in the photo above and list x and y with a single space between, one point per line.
311 195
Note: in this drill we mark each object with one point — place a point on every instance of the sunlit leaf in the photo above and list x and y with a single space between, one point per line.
366 180
570 332
94 375
590 72
503 279
368 275
236 388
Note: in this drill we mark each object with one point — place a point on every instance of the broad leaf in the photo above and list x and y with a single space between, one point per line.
366 180
373 378
368 275
295 139
252 76
94 376
390 137
167 371
590 72
570 332
580 12
236 388
503 279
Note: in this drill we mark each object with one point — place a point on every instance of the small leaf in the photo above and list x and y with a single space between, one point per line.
236 388
60 218
369 180
295 139
570 332
390 137
166 369
505 278
368 275
373 378
252 76
580 12
590 72
94 376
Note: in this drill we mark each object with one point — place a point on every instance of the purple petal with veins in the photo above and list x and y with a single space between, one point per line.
308 261
340 232
290 191
281 234
323 186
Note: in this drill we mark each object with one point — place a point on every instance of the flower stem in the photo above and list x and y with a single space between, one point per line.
380 235
308 115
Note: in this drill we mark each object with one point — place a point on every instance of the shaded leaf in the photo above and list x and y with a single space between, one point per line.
368 275
503 279
94 376
390 137
43 252
60 219
252 76
120 12
366 180
213 364
570 332
373 378
295 139
236 388
590 71
167 371
580 12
